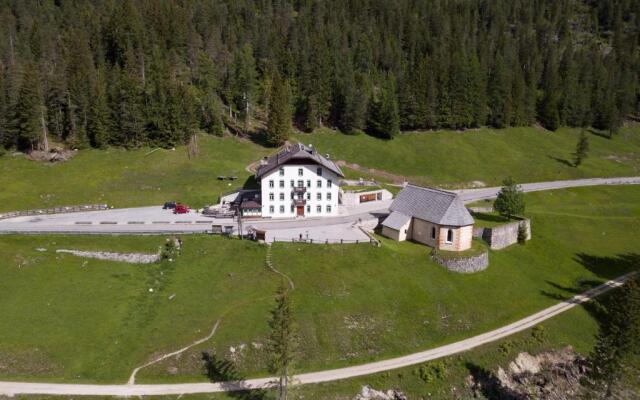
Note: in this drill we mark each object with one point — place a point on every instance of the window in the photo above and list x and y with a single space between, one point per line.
270 184
328 195
449 235
271 209
271 197
328 209
319 196
319 183
329 183
308 196
292 183
281 196
282 184
433 232
281 209
308 183
308 208
292 208
318 209
300 171
300 183
281 171
319 171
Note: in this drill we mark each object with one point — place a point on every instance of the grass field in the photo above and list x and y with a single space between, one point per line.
457 159
123 178
70 319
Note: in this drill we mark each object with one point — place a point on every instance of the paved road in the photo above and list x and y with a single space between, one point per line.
153 220
469 195
16 388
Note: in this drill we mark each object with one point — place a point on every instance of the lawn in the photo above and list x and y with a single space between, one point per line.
70 319
140 177
126 178
455 159
490 219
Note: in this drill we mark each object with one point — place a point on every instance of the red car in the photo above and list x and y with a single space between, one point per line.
181 209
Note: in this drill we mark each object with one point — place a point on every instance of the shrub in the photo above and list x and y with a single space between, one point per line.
522 233
432 371
510 200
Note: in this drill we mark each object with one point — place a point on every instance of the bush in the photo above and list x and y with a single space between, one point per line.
432 371
522 233
510 200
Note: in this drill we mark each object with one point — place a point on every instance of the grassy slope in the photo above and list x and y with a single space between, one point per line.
131 178
488 155
95 322
128 178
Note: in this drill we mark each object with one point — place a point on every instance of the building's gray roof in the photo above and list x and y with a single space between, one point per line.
432 205
396 220
297 152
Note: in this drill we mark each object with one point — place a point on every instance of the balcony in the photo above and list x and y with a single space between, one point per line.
299 202
299 189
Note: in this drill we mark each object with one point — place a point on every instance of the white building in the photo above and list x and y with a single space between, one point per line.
298 182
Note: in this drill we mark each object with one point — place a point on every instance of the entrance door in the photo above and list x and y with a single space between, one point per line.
300 211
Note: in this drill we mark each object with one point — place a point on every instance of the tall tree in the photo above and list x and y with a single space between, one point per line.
582 148
384 118
510 200
618 341
282 340
29 111
279 120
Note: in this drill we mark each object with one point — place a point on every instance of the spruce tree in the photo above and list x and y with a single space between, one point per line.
582 148
29 112
384 118
279 118
618 341
99 114
282 340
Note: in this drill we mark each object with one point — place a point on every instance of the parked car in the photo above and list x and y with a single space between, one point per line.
181 209
169 205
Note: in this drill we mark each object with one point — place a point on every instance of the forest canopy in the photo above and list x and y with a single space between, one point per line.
150 72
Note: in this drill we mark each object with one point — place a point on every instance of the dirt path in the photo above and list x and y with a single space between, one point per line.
271 267
132 378
15 388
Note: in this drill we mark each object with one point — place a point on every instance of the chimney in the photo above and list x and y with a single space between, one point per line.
327 156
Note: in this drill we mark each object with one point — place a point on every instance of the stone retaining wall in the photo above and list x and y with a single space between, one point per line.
467 265
54 210
502 236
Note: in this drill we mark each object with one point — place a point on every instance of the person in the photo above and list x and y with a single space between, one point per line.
300 237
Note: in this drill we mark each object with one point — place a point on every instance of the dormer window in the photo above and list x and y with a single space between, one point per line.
300 172
281 171
319 171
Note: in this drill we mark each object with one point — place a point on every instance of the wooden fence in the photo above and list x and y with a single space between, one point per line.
54 210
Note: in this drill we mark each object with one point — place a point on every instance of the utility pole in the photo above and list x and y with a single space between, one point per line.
240 223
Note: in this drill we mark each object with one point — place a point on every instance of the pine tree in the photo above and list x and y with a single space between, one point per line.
618 341
98 122
582 148
499 100
282 340
29 112
279 122
549 107
384 118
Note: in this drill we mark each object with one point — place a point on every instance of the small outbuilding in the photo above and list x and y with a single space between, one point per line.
434 217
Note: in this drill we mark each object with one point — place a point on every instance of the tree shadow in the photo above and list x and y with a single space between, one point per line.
488 384
606 268
562 161
597 133
225 373
259 137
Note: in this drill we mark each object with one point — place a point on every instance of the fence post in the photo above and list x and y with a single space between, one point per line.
357 242
341 240
311 241
327 241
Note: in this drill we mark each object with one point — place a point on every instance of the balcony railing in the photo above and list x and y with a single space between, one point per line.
299 202
299 189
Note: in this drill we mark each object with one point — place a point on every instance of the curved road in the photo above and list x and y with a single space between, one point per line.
153 220
16 388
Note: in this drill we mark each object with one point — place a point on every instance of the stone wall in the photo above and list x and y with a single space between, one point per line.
502 236
468 264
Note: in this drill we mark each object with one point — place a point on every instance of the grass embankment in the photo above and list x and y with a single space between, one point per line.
67 320
123 178
454 159
490 219
127 178
477 247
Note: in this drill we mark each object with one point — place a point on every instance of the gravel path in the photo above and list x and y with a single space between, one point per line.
17 388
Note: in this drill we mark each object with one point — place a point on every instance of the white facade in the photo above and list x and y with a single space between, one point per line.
293 190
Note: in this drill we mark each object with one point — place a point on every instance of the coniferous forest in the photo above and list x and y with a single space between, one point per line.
150 72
